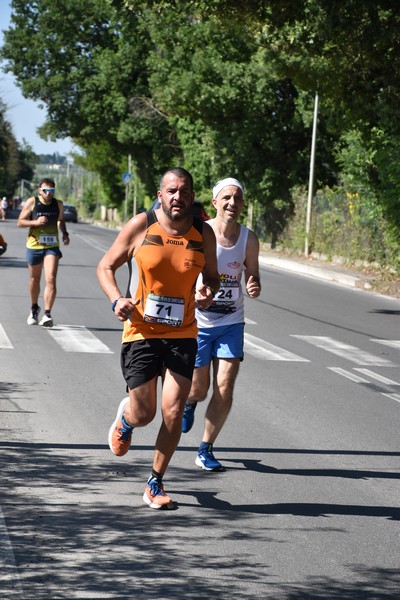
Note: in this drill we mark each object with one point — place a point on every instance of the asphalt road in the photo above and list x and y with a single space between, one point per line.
308 506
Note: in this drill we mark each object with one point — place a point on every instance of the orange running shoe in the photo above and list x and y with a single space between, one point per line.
155 496
119 436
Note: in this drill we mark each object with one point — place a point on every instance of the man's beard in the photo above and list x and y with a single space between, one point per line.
175 217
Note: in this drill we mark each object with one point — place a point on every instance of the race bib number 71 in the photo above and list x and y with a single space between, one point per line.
164 310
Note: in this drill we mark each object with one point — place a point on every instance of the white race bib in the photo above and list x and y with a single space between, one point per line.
164 310
228 293
47 240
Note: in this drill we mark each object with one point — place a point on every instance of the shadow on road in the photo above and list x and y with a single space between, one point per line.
79 529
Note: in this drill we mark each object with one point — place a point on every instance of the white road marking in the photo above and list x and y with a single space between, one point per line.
92 242
395 397
357 379
346 351
9 578
390 343
265 351
378 377
249 321
348 375
75 338
4 339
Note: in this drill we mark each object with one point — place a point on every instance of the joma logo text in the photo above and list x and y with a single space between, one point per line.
176 242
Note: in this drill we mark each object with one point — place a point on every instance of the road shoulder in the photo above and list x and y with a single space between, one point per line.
367 278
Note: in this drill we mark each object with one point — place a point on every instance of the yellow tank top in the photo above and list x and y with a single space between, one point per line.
168 267
45 236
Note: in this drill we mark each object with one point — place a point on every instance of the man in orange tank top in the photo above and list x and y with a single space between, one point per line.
170 248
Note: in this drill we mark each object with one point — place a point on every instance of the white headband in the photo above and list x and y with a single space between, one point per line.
224 183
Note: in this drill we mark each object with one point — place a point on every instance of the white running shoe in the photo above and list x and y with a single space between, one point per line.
33 318
46 321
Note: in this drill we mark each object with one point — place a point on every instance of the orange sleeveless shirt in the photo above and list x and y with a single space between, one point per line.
168 267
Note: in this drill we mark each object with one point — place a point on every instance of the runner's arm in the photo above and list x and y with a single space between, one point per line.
118 254
24 219
61 223
251 266
211 282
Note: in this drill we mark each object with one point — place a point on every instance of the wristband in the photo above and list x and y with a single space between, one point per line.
114 304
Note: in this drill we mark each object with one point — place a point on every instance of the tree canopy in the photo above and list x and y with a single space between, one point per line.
223 87
16 161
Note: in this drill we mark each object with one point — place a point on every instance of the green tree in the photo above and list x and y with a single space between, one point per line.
87 66
16 162
177 89
350 51
223 87
228 111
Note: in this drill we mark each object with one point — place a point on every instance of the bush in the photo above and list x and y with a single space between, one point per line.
344 224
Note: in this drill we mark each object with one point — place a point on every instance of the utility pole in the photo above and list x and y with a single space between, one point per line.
68 181
22 187
134 195
311 178
127 180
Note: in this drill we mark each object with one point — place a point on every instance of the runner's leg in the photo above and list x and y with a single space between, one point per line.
174 394
225 373
50 271
35 273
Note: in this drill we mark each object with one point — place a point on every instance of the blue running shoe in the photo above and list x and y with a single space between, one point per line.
188 416
207 461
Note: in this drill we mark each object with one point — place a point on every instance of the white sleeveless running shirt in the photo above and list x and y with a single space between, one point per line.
228 305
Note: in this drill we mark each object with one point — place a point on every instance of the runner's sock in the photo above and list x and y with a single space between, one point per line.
205 446
124 423
155 475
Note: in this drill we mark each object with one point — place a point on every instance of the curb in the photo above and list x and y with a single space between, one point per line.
320 273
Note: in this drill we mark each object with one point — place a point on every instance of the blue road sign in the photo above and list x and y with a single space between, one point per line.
126 178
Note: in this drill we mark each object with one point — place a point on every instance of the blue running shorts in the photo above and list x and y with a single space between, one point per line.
36 257
222 342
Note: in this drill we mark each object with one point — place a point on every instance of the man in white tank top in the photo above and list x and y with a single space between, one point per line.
221 326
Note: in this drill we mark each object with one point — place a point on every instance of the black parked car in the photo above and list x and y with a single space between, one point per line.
70 213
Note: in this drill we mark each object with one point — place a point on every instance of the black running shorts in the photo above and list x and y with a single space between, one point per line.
143 360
